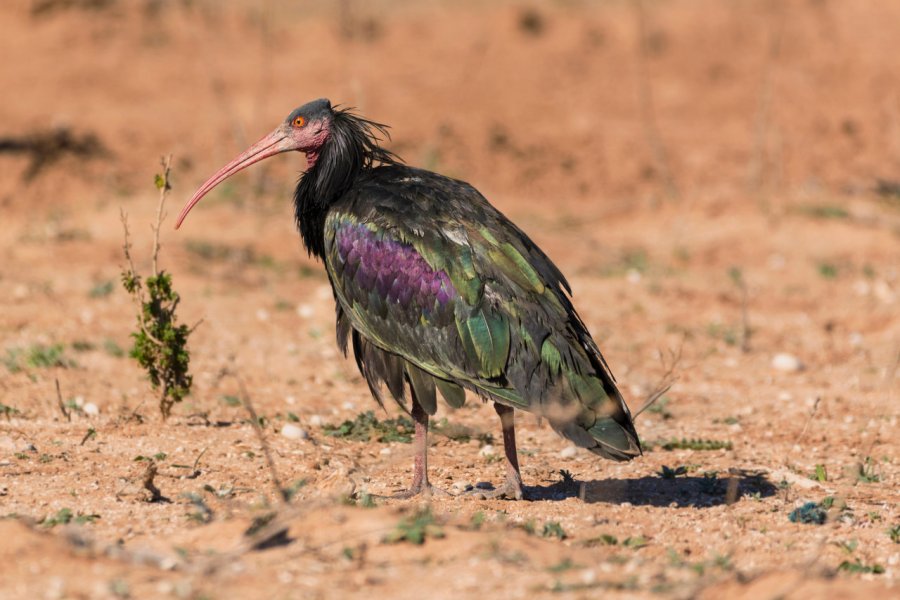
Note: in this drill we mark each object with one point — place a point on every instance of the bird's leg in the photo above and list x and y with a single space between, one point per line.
512 489
420 481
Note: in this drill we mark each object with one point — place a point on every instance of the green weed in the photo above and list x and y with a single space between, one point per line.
415 529
102 289
160 343
696 445
552 529
866 472
9 411
366 426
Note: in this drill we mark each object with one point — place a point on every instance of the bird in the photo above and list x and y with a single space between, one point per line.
437 291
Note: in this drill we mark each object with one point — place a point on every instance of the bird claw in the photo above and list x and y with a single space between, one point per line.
511 490
426 490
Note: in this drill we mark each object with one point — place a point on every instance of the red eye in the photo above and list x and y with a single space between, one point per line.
299 121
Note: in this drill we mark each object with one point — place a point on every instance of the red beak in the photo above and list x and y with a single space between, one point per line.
275 143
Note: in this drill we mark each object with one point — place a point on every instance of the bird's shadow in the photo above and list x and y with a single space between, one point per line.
677 491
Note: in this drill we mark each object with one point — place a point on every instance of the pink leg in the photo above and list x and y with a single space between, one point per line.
420 481
512 489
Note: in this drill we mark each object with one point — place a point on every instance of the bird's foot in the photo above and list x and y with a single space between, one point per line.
511 490
426 489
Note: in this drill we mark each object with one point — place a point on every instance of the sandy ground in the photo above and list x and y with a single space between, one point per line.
723 193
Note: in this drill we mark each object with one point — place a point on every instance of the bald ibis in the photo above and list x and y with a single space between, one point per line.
436 290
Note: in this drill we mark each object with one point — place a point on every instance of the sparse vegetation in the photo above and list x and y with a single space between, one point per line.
160 343
38 356
866 471
64 516
552 529
366 427
9 411
698 445
415 529
670 473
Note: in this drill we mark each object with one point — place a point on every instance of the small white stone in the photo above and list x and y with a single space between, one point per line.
568 452
305 311
461 486
262 314
348 405
633 276
315 421
384 451
292 432
786 362
486 450
91 409
290 400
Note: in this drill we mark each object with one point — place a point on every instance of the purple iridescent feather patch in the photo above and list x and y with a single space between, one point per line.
395 270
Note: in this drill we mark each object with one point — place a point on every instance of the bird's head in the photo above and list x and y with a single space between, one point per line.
306 129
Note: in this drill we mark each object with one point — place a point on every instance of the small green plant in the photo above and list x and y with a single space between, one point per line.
38 356
202 513
696 445
8 411
857 566
90 434
670 473
159 456
660 407
566 564
866 471
102 289
820 474
894 533
635 542
415 529
112 348
230 400
64 516
552 529
160 343
366 426
828 270
824 211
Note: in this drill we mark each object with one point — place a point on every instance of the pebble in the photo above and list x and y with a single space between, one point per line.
568 452
315 421
486 450
292 432
91 409
305 311
461 486
786 362
385 451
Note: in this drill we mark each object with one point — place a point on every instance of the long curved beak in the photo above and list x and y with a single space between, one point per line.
275 143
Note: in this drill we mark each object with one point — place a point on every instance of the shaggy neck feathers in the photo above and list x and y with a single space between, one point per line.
350 150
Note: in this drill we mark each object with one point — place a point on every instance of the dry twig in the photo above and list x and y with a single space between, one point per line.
665 383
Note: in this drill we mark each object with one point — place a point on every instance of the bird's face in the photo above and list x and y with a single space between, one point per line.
306 129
